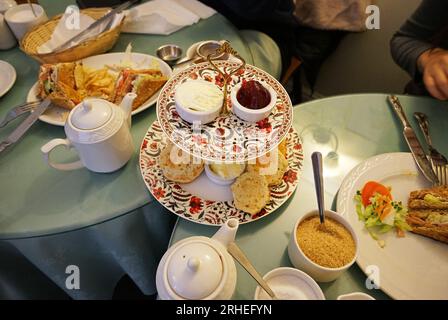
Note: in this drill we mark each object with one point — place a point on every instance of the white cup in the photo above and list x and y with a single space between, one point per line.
5 5
302 262
290 284
7 40
21 18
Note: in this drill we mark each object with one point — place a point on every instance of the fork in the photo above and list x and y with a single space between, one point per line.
17 111
438 161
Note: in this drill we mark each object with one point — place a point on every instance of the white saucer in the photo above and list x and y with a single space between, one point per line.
8 77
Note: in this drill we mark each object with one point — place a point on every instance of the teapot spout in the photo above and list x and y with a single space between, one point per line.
226 234
126 105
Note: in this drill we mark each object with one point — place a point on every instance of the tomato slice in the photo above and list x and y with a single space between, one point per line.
370 189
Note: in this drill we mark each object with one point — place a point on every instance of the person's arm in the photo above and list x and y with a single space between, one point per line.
434 66
412 49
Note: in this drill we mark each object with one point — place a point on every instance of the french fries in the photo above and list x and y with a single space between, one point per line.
94 83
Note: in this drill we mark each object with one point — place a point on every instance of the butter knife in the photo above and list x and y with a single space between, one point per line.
414 144
25 125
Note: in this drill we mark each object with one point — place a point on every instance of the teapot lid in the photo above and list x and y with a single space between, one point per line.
91 114
195 270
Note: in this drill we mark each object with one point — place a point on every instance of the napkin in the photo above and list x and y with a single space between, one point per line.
165 16
67 28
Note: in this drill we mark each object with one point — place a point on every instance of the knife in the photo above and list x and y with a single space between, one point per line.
414 144
25 125
98 22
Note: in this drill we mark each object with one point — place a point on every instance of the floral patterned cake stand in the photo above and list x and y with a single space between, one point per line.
177 199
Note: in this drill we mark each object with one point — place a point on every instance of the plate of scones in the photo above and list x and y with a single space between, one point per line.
211 193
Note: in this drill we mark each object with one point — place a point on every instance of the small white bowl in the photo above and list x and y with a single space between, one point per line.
252 115
215 178
193 116
290 284
302 262
355 296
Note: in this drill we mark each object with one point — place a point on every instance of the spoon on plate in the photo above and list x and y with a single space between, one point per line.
316 159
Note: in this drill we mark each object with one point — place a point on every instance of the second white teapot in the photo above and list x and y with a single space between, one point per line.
100 133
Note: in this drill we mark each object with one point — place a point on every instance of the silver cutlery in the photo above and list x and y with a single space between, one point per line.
239 256
24 126
32 8
316 159
414 144
438 160
18 111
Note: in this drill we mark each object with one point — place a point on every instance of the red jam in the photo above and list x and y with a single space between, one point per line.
253 95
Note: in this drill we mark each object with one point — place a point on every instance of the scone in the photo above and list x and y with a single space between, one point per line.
250 192
283 147
273 172
178 166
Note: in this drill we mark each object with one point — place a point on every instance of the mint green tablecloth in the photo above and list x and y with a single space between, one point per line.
356 127
103 223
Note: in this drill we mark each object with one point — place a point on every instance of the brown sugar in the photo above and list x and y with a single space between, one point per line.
330 245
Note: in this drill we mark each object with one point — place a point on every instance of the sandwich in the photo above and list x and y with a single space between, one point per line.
57 82
428 213
144 83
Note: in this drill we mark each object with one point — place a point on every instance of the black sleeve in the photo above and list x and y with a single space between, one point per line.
415 36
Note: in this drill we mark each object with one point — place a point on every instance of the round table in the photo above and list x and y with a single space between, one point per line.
63 201
356 127
105 224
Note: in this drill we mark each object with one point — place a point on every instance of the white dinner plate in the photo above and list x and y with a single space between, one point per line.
7 77
57 116
414 267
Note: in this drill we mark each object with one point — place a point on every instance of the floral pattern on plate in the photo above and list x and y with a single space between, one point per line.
173 197
227 137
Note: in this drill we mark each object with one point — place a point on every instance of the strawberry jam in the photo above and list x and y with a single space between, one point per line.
253 95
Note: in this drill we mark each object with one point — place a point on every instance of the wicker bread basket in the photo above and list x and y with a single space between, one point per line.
42 33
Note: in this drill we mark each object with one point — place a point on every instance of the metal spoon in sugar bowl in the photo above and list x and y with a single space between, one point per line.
316 159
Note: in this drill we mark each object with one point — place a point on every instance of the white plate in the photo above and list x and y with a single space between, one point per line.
226 137
57 116
7 77
414 267
202 201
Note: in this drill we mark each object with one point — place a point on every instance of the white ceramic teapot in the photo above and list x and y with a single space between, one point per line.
199 268
100 133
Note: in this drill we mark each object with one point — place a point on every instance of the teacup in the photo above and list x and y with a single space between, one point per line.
7 40
5 5
21 18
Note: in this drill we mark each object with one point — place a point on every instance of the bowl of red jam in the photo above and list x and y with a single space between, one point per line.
253 100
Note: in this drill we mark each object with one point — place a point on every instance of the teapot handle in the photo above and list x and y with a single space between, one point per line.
49 146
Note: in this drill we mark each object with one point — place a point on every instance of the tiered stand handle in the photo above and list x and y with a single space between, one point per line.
225 48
